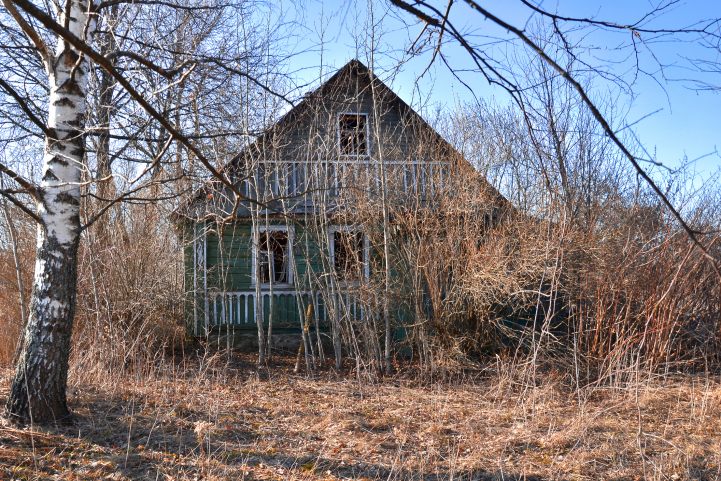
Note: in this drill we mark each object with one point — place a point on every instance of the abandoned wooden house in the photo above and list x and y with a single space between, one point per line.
319 190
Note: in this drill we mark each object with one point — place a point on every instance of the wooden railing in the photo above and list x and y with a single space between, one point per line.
286 307
274 179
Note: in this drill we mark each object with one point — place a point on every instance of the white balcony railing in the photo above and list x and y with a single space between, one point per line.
274 179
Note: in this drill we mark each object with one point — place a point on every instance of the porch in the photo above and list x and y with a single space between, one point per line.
285 308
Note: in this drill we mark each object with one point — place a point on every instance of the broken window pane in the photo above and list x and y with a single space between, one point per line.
273 257
348 254
352 134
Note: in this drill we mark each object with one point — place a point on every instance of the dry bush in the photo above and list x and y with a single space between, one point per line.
23 237
602 304
642 295
9 309
589 274
130 300
130 295
471 265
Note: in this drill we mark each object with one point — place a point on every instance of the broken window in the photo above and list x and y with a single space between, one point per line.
273 257
348 254
352 134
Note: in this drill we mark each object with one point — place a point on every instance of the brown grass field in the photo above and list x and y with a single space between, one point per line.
215 419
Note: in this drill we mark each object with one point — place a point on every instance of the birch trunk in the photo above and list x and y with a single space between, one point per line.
258 303
38 391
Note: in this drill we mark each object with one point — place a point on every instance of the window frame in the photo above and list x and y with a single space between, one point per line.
366 252
367 135
290 232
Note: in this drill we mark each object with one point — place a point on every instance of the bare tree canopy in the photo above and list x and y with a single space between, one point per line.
145 102
564 53
116 91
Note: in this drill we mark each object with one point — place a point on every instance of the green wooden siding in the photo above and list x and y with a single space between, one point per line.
231 293
305 135
228 274
230 256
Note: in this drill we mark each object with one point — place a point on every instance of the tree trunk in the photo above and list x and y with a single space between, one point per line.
38 391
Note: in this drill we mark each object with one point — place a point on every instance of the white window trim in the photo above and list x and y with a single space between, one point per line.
368 136
366 248
291 260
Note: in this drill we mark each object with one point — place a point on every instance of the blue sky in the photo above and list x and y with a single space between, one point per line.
673 120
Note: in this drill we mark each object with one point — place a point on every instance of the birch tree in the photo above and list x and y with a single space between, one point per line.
38 387
158 66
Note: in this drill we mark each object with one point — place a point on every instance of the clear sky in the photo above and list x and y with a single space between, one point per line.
675 120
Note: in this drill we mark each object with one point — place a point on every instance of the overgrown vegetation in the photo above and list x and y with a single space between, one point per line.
570 329
215 418
563 340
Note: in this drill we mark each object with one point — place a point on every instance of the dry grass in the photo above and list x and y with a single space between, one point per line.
218 421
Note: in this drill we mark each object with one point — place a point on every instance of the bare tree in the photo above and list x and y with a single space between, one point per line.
493 65
152 66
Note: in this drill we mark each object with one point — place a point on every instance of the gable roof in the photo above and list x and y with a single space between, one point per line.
354 69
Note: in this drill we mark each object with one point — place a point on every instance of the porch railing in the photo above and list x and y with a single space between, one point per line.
288 307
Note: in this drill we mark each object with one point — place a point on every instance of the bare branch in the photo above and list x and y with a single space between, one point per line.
24 106
111 3
31 188
444 23
167 73
107 65
707 28
31 33
9 196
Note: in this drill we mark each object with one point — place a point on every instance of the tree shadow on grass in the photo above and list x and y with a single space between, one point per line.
371 471
112 437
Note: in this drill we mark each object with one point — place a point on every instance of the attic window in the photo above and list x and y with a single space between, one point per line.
353 134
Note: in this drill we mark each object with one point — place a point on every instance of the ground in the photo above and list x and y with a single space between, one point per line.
216 419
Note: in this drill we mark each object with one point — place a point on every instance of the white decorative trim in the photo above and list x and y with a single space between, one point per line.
344 160
291 254
301 176
234 308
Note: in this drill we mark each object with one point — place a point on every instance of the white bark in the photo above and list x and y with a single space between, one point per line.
38 389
